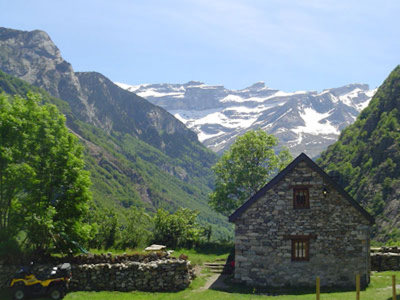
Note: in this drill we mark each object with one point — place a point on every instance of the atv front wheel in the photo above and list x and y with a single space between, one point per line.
56 293
19 293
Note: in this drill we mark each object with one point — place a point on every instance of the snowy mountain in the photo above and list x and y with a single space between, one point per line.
304 121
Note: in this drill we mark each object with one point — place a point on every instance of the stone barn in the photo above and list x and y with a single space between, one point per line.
299 226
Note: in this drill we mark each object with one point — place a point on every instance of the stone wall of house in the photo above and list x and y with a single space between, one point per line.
338 252
154 272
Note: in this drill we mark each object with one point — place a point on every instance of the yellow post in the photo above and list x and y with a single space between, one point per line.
394 287
358 287
318 288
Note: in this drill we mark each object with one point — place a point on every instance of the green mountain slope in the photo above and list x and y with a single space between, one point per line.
127 171
366 158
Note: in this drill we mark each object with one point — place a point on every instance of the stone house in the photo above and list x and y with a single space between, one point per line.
299 226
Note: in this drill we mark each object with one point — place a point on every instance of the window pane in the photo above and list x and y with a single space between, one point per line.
301 198
300 249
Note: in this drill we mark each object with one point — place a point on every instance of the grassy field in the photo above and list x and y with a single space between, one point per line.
379 289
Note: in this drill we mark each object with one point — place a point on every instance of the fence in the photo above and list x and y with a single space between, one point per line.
358 289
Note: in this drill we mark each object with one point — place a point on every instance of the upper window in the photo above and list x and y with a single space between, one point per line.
300 249
301 198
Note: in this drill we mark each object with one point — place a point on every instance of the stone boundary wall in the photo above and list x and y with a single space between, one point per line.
153 272
385 259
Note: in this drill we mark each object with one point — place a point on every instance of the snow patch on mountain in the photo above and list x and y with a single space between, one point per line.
153 93
232 98
315 123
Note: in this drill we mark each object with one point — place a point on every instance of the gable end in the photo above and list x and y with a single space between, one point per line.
301 158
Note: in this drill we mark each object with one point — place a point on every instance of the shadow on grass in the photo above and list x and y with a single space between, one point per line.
226 283
5 294
397 298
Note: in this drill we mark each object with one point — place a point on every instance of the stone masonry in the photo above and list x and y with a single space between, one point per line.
338 249
150 272
385 259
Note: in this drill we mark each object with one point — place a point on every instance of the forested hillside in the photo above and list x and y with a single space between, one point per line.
365 160
127 171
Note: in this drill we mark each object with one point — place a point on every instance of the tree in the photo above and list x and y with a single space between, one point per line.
105 228
179 229
43 186
136 231
245 168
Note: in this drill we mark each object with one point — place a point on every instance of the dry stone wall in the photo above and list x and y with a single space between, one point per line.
385 259
154 272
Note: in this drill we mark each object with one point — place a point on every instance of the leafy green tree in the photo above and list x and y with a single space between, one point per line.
179 229
14 172
136 231
43 186
248 165
105 228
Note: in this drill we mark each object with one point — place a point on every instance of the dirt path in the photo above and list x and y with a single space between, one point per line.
214 282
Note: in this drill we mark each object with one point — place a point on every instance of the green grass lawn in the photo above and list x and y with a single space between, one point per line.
198 257
379 289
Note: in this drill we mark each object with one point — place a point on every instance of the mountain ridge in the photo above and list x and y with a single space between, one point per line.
219 115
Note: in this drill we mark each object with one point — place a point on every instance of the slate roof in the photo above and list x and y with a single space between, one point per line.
301 158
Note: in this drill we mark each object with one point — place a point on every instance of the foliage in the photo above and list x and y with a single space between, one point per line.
365 158
105 228
179 229
249 164
43 186
136 231
135 228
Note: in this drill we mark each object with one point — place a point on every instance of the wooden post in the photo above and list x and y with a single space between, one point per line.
318 288
394 287
358 287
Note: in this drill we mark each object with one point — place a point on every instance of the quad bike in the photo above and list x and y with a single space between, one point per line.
53 284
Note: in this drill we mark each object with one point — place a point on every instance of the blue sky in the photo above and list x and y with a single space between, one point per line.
289 44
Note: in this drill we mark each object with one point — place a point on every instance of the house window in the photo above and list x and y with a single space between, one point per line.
300 249
301 198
